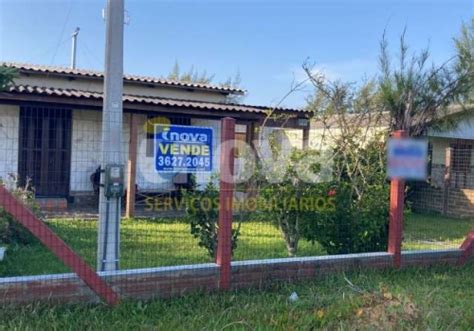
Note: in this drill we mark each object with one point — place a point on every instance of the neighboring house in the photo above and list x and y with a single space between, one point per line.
450 187
325 133
50 126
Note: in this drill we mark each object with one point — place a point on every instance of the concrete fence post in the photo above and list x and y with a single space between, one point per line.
224 237
397 200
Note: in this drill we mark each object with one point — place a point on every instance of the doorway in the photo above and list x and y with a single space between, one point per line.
45 149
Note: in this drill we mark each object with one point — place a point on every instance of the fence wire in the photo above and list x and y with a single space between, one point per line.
50 162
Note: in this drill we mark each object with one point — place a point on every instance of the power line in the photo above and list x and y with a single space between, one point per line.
38 53
92 55
62 32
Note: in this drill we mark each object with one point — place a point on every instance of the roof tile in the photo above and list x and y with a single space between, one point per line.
60 92
131 78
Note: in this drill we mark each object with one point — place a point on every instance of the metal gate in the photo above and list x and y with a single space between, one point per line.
45 149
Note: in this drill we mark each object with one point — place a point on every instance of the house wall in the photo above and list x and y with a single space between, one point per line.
455 199
203 178
324 138
438 161
287 138
86 146
96 85
9 137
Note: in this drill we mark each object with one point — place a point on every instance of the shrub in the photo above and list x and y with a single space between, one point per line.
12 232
354 225
359 223
202 213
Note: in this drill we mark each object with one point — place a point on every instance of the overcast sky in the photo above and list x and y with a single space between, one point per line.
267 41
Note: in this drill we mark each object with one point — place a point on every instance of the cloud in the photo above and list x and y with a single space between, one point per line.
351 70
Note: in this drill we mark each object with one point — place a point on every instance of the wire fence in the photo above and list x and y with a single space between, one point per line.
286 202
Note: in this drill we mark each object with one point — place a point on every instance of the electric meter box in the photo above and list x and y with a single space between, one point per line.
114 181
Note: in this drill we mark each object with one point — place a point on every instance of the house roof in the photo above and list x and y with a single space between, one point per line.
134 99
53 70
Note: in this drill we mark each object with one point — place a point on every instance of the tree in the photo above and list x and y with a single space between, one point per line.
193 76
282 202
415 94
465 61
7 75
351 118
190 76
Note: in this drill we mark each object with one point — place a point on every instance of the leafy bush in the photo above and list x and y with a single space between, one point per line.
359 221
354 225
12 232
202 213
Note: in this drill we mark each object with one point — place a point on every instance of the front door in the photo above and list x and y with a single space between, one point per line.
45 149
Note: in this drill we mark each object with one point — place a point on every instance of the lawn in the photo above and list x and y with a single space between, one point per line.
435 232
162 242
423 299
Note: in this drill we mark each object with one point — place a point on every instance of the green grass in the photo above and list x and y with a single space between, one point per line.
435 232
436 299
153 243
146 243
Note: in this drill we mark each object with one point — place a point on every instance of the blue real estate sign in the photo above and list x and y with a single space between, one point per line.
407 159
180 148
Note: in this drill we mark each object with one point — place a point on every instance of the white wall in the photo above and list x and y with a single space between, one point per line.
86 147
288 138
148 179
203 178
9 137
86 153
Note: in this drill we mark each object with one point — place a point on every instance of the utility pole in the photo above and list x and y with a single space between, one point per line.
74 47
111 190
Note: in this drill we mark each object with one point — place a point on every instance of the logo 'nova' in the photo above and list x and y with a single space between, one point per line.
184 137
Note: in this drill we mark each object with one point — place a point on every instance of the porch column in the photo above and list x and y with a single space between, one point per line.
252 134
306 137
132 167
447 178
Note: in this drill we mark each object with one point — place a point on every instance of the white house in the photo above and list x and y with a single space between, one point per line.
50 126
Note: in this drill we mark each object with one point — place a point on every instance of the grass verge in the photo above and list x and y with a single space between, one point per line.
161 242
433 298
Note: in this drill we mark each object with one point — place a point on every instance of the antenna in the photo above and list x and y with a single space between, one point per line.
74 46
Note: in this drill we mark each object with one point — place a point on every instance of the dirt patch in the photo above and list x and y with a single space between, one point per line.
385 311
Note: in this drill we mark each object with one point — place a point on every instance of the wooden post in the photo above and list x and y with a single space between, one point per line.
447 178
132 167
306 137
224 237
250 134
397 200
467 248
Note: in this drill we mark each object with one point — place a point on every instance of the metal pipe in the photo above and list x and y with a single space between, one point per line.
74 47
